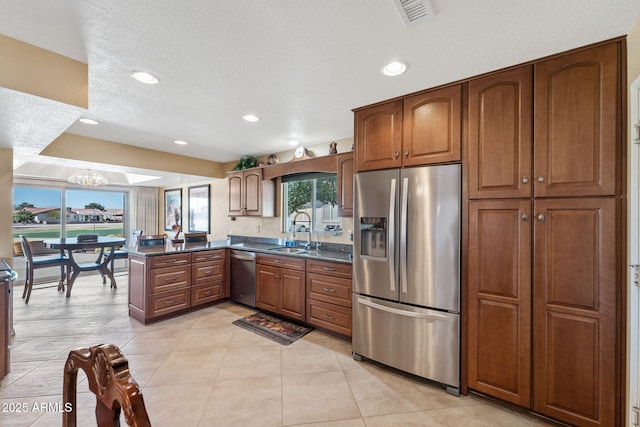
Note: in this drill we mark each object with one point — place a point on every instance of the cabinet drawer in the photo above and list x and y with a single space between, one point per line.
335 290
206 292
169 260
169 278
206 271
204 256
329 316
330 268
281 261
168 302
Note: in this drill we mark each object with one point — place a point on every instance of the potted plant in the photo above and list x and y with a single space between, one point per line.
246 162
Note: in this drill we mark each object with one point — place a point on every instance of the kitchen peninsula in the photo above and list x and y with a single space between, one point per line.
173 279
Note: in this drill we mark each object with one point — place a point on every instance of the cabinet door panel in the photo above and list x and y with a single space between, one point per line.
575 310
206 271
235 184
576 123
206 292
500 134
169 278
267 288
499 320
431 127
378 134
345 184
253 201
293 293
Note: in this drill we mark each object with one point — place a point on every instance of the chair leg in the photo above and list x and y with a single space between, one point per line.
29 284
26 281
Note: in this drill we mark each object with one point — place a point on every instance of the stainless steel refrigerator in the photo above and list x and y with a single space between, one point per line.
406 259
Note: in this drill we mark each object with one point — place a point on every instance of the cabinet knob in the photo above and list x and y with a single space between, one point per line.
525 179
525 217
541 218
397 154
541 178
406 153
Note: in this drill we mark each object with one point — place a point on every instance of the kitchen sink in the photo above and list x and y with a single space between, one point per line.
312 253
289 250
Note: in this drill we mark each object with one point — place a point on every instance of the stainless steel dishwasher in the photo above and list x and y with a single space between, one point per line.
243 277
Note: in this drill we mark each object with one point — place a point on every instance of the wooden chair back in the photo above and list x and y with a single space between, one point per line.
108 376
195 237
26 248
151 240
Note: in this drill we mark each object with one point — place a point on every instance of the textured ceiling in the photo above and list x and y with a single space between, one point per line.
300 65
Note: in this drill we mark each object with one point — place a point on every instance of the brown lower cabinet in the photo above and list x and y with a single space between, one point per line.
500 299
576 246
163 284
558 323
280 285
329 296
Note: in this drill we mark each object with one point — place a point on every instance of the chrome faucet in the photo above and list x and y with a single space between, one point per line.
308 245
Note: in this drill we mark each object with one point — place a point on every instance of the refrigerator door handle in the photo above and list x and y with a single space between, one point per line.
392 236
404 207
429 317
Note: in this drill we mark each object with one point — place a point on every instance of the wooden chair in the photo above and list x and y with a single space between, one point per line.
122 253
109 379
195 237
151 240
34 263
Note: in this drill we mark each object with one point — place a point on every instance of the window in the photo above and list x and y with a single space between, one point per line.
42 213
310 200
94 212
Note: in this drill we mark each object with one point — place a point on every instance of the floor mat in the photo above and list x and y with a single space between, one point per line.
273 328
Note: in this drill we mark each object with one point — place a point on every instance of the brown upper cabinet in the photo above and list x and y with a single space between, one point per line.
417 130
249 194
378 136
500 134
345 184
575 130
576 123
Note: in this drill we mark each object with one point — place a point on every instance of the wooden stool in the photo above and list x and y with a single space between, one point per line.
108 375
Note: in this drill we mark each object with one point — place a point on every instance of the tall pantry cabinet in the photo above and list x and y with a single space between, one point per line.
545 249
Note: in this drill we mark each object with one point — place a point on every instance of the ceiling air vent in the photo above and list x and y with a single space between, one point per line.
413 11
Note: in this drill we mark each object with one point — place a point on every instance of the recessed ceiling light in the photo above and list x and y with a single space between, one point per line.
294 141
144 77
180 142
88 121
251 118
394 69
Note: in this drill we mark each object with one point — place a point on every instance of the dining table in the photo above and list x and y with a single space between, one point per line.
67 246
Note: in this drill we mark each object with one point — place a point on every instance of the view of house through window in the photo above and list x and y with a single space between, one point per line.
41 213
314 195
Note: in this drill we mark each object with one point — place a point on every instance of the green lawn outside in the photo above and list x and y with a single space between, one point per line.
47 231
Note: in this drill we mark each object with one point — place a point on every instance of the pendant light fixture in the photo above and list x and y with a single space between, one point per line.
88 178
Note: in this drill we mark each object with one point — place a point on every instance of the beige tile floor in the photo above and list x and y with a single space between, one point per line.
200 370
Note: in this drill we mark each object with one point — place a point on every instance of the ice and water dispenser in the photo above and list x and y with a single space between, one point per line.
373 237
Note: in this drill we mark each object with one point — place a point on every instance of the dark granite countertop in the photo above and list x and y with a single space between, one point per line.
327 252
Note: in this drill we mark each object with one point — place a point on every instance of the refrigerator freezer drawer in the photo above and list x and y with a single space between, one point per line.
420 341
